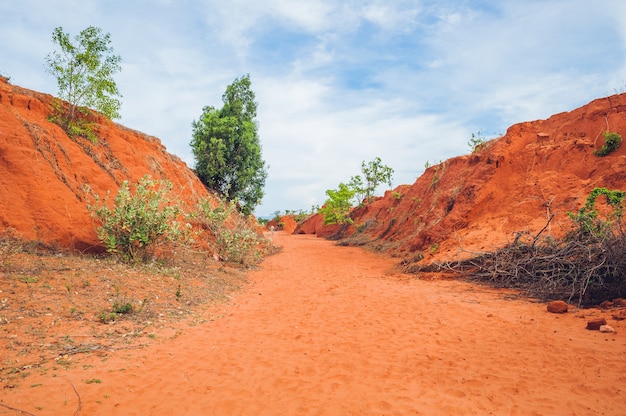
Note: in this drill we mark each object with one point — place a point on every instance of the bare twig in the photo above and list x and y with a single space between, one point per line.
80 402
16 409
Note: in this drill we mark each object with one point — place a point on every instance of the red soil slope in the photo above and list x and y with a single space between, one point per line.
479 201
43 171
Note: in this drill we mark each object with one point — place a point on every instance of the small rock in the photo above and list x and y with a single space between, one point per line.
606 304
557 306
596 324
607 328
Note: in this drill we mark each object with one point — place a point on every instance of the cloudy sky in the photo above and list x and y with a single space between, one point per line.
338 82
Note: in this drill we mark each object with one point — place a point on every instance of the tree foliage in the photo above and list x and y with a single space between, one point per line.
374 174
226 147
336 209
84 71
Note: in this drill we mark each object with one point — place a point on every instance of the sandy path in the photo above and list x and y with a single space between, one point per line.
326 330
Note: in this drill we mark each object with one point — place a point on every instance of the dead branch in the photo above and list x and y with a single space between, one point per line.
16 409
580 267
80 402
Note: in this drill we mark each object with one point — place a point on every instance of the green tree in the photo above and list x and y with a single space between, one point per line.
84 71
227 150
336 209
374 174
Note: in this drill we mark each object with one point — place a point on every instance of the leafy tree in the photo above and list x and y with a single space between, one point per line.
336 209
84 71
227 150
374 174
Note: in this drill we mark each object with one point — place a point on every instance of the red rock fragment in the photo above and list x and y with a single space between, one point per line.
595 324
606 304
557 306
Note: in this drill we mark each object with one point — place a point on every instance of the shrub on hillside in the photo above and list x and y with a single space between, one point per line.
612 142
232 234
140 220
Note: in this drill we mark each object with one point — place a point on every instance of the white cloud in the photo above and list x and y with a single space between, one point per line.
390 18
307 15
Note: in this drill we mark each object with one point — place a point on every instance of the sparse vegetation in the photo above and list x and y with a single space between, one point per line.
437 170
297 215
233 237
93 381
477 142
9 245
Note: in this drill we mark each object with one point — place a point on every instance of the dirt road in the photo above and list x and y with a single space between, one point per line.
327 330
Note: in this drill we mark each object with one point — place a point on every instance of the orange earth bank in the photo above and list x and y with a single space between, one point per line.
43 172
329 330
478 202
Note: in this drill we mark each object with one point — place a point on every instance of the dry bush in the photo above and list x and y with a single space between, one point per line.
587 266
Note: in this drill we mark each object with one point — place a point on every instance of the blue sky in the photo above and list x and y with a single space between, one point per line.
338 82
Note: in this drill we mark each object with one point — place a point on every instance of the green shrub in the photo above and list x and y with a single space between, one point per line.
587 221
612 142
233 236
139 221
477 142
122 308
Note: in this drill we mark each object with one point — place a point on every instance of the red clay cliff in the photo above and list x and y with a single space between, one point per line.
478 202
43 171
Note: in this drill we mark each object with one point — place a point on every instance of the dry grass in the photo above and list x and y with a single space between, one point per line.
54 304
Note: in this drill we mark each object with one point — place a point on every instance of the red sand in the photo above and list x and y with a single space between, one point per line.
328 330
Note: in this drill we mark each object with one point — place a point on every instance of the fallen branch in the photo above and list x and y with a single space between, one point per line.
80 402
16 409
581 267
